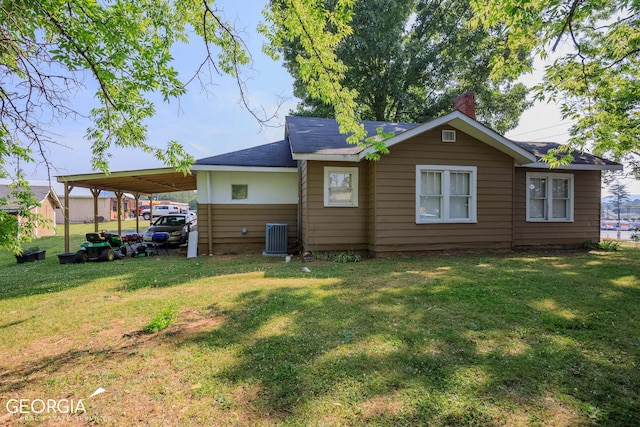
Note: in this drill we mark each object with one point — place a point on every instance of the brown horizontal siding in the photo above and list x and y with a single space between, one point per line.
586 224
304 199
227 222
333 228
395 190
387 249
371 198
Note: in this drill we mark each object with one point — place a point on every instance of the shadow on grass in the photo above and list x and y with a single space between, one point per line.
464 347
474 340
129 274
15 322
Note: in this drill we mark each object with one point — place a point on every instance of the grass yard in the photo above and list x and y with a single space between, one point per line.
517 339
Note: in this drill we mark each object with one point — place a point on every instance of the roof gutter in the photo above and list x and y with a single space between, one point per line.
354 158
224 168
544 165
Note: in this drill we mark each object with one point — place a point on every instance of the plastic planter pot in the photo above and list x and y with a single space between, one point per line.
30 256
68 258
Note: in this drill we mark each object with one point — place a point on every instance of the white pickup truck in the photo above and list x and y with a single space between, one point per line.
159 210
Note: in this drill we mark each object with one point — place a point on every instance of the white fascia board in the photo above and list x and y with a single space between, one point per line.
543 165
328 157
469 126
140 172
53 194
242 168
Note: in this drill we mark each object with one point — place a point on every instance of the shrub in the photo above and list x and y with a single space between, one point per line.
345 257
342 257
162 320
609 245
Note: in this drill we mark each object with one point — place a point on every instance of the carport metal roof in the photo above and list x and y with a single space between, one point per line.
144 181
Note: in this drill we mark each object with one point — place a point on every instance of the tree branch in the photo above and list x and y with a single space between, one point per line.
567 22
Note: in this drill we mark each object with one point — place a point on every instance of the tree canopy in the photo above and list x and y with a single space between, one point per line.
409 59
620 195
48 49
595 74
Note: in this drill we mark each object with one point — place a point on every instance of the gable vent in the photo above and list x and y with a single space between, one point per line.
448 136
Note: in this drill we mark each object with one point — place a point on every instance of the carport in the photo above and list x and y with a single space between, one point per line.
136 182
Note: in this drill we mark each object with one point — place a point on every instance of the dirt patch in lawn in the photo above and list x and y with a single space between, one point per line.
143 383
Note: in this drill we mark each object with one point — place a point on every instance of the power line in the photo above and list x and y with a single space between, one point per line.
544 128
554 135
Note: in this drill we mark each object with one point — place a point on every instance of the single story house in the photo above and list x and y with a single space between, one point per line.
450 183
48 202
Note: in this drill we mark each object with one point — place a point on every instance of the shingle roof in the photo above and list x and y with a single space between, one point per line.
540 149
275 154
40 193
321 136
312 135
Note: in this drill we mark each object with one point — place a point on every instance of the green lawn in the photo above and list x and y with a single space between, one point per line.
449 339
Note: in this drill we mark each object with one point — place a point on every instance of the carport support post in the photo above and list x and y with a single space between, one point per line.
137 201
95 192
67 190
150 209
119 208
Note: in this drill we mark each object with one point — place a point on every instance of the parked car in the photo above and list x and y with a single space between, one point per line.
177 225
159 210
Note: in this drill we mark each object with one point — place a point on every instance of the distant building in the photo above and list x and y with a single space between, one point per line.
81 206
48 206
80 203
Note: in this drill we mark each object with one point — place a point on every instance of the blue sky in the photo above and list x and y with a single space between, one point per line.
211 122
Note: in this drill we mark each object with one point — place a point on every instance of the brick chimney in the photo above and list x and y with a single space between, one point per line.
466 103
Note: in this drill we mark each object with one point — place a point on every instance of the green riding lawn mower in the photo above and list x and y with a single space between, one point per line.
102 246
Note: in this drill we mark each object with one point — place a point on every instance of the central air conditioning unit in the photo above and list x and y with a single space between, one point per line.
276 240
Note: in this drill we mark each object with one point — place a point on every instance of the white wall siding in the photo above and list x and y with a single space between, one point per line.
214 187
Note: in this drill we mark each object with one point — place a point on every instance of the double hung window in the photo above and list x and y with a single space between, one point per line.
445 193
340 186
549 197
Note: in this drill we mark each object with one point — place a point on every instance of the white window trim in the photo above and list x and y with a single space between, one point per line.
473 185
549 177
354 186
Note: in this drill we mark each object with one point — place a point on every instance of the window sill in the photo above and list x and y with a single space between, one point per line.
550 220
448 222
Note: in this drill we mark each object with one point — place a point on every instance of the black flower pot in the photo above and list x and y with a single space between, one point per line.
31 256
